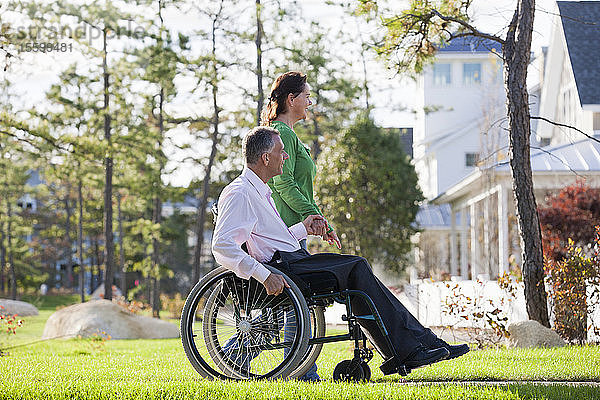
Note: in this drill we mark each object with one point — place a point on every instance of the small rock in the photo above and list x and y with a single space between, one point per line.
533 334
20 308
103 317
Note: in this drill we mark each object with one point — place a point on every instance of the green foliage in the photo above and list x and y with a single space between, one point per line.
367 188
569 280
411 36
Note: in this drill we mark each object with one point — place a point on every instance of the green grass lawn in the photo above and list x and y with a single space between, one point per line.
158 369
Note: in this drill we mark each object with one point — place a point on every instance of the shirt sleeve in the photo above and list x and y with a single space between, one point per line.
286 185
235 222
298 231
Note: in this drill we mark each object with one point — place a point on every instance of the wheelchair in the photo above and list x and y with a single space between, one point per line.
231 328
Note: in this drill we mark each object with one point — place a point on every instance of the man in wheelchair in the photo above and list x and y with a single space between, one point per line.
247 215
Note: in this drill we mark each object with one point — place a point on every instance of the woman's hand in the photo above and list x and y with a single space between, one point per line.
315 225
332 238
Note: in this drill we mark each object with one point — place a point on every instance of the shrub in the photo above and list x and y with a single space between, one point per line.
570 215
174 305
487 316
9 323
568 280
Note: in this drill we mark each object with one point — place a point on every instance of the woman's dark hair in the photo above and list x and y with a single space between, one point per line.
292 82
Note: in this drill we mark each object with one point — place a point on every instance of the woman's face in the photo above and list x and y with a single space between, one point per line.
300 103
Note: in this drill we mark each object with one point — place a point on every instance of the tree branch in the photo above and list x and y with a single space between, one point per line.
22 139
473 31
181 120
567 126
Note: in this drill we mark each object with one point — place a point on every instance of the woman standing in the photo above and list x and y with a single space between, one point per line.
293 189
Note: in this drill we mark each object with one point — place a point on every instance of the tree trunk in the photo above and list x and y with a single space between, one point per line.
259 72
122 267
205 186
3 286
109 246
96 267
202 209
80 241
11 261
363 49
69 247
316 146
516 53
156 260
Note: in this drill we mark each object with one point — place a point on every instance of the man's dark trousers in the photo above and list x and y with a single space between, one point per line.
355 273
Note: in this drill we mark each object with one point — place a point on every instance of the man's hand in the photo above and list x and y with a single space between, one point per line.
315 225
275 284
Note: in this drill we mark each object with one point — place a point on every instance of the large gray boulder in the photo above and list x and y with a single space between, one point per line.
533 334
103 317
20 308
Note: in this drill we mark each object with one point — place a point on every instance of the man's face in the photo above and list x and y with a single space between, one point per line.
276 157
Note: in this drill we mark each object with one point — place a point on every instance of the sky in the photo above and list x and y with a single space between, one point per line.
393 95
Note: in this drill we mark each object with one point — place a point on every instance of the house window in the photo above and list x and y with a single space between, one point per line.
544 142
596 123
441 74
471 73
471 159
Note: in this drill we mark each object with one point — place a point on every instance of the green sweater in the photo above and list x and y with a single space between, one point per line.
293 190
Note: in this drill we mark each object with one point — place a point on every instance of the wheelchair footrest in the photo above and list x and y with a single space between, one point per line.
392 366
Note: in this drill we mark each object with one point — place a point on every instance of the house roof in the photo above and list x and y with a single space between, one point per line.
433 216
472 45
581 156
581 24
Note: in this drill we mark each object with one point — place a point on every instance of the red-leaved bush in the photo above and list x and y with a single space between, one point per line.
571 214
571 240
574 284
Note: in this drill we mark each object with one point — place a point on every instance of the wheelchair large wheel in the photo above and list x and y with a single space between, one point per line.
317 326
231 328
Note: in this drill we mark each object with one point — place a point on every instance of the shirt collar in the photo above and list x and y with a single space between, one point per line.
262 188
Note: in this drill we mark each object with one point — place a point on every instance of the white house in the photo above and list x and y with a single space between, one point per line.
461 101
483 223
571 87
484 239
460 108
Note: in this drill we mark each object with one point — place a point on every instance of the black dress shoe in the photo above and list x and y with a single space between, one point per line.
423 356
456 350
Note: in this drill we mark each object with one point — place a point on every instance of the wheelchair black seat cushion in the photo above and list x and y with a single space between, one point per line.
320 282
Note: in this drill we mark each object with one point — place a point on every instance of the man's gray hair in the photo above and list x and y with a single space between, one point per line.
257 142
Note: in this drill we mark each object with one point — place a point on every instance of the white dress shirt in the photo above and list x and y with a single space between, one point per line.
248 215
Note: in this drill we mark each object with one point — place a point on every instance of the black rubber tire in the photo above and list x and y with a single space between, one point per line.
343 373
201 292
317 322
366 371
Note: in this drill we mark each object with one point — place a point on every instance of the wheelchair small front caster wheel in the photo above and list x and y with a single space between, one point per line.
366 371
347 371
